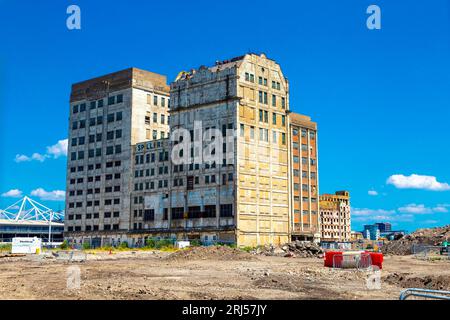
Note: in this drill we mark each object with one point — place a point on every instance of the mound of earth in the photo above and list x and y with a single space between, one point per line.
211 253
440 282
302 249
430 237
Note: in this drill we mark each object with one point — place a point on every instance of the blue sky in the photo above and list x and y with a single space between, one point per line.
381 97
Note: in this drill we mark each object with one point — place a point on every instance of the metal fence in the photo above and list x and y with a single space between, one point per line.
70 256
426 252
360 261
425 294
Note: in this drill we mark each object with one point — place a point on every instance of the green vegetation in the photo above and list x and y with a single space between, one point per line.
5 247
159 243
123 245
64 245
195 243
86 246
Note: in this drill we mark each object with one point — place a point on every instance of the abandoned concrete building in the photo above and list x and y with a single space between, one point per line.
229 171
335 217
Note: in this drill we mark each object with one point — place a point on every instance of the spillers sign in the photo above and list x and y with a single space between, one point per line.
142 146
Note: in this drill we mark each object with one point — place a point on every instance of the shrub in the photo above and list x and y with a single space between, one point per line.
150 243
64 245
247 249
86 246
164 243
5 247
195 243
123 245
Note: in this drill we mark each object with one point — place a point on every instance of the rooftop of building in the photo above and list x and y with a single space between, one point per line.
302 120
221 65
119 80
337 195
29 223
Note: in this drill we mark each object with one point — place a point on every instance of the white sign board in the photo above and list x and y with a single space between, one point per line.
183 244
26 245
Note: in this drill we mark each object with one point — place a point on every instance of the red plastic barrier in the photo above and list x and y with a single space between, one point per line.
377 259
328 262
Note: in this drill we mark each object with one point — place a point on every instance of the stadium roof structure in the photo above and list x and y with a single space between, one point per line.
30 210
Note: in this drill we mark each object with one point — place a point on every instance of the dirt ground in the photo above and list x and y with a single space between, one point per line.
206 275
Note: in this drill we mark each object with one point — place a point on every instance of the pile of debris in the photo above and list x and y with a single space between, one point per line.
426 237
301 249
211 252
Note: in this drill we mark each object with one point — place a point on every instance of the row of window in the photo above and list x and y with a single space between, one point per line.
151 157
250 77
110 135
96 215
305 199
305 212
94 228
155 100
97 166
153 134
179 182
264 117
81 124
80 155
97 103
305 187
296 146
96 191
264 134
95 203
312 134
296 159
108 177
176 168
305 174
262 98
155 118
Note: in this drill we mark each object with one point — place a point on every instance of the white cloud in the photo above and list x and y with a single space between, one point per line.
421 209
21 158
416 181
384 217
13 193
371 212
39 157
372 193
56 195
57 150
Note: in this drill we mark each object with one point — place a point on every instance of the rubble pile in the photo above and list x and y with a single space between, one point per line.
301 249
404 245
212 252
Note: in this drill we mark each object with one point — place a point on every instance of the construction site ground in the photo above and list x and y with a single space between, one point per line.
209 273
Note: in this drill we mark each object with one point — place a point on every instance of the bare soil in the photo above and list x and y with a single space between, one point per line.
205 273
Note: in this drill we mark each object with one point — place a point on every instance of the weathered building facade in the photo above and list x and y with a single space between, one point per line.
335 217
108 115
304 173
238 167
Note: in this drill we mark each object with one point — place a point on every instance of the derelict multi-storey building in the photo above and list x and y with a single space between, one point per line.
108 115
223 175
304 174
